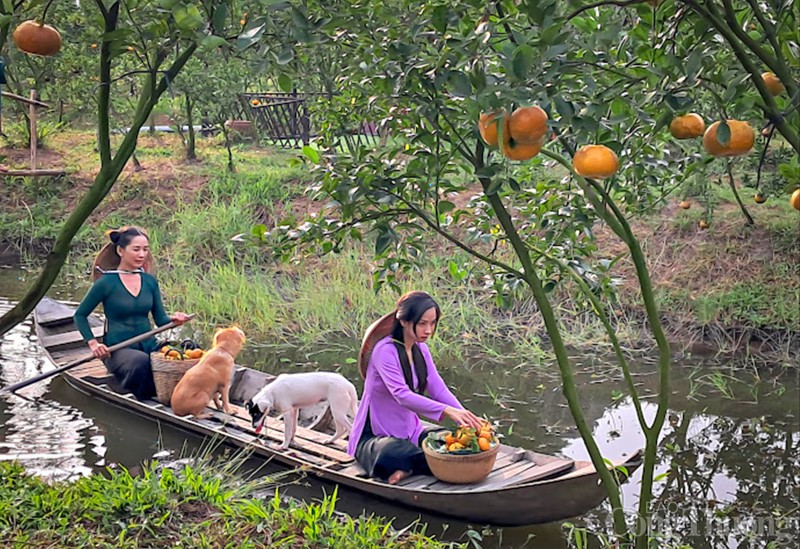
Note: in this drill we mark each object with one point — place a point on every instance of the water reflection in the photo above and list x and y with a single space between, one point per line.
44 434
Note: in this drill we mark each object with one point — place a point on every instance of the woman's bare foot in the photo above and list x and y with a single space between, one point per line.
397 476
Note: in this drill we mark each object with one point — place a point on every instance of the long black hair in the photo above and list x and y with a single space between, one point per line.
410 308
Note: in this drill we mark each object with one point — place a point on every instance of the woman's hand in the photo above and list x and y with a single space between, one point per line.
179 318
98 349
463 417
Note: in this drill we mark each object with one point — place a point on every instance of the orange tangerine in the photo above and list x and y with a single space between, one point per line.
595 162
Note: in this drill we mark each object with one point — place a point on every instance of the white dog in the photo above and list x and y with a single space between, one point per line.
291 392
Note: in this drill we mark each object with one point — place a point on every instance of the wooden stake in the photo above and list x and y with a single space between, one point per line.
34 144
24 99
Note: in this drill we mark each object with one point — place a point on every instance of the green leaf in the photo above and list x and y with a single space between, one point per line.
277 5
250 37
220 16
212 42
455 271
383 241
460 84
187 18
439 18
494 186
522 61
724 134
259 231
564 108
445 206
286 56
311 154
285 82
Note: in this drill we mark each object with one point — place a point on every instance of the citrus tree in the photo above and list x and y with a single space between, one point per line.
555 116
143 46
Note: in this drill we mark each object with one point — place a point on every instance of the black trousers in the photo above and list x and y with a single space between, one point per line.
381 456
131 368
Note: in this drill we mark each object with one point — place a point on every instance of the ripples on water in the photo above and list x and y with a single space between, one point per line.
49 438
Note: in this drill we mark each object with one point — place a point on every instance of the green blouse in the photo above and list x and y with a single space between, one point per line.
126 315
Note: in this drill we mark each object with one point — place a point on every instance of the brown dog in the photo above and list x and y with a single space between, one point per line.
210 378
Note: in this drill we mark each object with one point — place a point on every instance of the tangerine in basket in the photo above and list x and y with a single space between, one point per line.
467 440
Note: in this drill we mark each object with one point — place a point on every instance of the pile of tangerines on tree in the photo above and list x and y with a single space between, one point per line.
521 134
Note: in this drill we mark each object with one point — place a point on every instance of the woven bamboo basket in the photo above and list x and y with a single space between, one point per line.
167 374
460 468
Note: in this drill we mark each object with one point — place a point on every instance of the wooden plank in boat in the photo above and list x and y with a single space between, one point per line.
68 339
300 440
234 432
417 482
50 312
509 455
303 432
354 470
92 368
509 462
68 355
525 472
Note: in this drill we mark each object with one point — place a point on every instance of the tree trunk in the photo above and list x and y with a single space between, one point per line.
111 168
191 151
231 166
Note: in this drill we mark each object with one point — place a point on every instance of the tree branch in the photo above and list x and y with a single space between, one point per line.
769 28
620 3
437 228
110 20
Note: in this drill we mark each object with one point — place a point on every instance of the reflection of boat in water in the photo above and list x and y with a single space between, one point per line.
523 487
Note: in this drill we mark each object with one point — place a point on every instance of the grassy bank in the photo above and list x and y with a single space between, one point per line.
201 506
725 289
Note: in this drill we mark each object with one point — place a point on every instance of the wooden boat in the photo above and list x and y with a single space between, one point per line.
524 487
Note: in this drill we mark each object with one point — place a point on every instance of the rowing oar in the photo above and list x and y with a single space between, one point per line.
19 385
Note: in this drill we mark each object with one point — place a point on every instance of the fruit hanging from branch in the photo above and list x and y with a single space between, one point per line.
773 83
488 123
739 141
595 162
527 125
37 38
514 150
687 126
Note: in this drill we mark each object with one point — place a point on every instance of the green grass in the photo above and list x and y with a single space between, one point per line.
203 505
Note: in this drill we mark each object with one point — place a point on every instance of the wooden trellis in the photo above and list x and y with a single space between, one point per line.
284 119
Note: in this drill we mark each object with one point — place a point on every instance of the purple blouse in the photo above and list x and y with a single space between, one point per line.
391 404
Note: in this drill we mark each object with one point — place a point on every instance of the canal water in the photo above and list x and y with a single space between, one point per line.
728 469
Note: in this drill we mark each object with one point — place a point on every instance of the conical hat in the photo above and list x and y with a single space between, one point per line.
377 331
108 260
